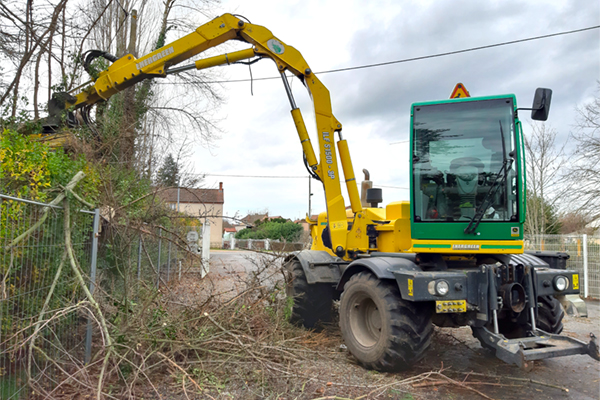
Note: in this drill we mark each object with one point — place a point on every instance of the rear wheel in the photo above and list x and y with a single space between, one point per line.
550 315
380 329
312 303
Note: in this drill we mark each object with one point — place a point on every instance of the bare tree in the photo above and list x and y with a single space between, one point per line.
576 222
584 173
41 48
147 121
188 103
38 36
545 186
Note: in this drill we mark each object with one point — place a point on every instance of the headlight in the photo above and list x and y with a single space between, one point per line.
561 283
442 288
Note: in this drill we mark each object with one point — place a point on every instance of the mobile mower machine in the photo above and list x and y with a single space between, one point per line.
451 256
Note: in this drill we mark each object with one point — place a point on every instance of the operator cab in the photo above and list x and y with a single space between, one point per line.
467 155
460 151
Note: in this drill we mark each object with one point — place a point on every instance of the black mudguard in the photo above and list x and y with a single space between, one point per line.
382 267
319 266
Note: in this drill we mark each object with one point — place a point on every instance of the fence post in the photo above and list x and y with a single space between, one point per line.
158 263
94 257
139 260
169 261
205 248
586 285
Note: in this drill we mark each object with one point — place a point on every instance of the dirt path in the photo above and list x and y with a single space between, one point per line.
460 352
454 351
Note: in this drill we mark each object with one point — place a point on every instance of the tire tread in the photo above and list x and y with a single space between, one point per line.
313 303
411 327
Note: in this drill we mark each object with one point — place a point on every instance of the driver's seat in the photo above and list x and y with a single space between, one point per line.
464 173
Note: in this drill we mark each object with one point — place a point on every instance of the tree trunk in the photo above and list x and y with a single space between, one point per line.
129 117
36 87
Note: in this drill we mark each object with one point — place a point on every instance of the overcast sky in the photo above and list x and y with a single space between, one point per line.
373 104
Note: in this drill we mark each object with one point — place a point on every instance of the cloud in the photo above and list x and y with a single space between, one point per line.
374 104
567 64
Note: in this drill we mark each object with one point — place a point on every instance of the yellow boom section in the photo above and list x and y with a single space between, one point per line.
127 71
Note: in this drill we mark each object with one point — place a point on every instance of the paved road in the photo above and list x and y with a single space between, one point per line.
458 350
239 260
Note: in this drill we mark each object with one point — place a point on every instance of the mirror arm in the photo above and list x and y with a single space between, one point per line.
530 109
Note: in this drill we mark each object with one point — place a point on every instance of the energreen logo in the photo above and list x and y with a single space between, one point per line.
275 46
465 247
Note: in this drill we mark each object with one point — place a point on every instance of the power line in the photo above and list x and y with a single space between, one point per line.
391 187
255 176
280 177
448 53
489 46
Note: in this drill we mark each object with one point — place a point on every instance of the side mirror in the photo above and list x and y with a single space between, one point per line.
541 104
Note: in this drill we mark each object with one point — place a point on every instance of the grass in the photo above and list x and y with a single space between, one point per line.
11 387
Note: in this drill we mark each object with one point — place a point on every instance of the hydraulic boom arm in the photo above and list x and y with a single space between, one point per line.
127 71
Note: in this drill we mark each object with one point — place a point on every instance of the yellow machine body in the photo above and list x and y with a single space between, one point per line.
391 227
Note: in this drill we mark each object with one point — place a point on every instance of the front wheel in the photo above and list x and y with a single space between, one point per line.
380 329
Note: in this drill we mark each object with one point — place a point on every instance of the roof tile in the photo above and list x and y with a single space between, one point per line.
186 195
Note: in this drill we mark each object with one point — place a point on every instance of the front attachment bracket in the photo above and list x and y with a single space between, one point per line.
538 347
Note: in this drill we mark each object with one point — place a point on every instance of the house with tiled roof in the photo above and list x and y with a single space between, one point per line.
279 217
204 204
305 224
250 219
228 233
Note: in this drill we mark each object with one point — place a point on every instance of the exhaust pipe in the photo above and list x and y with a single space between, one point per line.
365 185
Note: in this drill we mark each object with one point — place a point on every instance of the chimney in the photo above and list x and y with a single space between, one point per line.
220 186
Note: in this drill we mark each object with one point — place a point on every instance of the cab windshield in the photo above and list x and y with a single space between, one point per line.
462 157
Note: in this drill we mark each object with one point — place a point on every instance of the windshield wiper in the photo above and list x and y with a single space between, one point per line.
497 183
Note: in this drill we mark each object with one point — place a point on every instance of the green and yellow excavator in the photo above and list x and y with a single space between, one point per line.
451 256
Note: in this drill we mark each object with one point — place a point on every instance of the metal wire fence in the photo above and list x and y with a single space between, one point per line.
262 244
39 285
41 298
584 257
151 256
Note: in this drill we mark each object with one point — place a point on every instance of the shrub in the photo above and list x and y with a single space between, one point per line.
274 230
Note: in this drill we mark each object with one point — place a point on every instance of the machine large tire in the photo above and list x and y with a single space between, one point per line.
550 315
549 319
312 303
380 329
